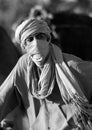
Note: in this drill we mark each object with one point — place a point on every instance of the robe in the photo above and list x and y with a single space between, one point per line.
51 113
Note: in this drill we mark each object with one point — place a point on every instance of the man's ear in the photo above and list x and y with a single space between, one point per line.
48 38
23 46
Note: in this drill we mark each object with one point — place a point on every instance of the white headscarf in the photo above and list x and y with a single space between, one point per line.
29 27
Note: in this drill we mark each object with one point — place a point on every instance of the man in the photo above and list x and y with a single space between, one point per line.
49 89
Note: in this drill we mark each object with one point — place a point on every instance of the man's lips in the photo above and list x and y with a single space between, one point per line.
37 56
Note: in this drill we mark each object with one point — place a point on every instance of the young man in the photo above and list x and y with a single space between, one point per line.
51 90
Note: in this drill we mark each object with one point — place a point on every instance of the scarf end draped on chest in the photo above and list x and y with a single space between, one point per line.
56 67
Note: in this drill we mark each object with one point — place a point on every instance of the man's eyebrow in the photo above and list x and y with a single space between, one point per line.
39 33
29 36
35 34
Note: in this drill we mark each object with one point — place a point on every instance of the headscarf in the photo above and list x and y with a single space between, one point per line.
29 27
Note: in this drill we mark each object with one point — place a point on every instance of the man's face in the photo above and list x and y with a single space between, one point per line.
37 45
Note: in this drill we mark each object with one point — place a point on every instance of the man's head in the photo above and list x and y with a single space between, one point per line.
30 27
34 37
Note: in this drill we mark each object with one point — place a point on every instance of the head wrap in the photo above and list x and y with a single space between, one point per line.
29 27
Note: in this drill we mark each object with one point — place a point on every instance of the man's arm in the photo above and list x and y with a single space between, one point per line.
14 88
8 98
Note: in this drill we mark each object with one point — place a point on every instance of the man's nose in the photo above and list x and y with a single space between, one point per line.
36 41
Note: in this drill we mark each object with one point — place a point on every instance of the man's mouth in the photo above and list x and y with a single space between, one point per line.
37 56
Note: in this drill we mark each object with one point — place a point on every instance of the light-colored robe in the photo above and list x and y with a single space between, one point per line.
30 113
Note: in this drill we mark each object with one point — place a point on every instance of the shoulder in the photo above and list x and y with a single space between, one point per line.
23 61
83 67
71 57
